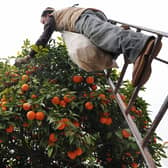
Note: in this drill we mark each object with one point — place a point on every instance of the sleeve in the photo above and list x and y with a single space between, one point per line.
49 28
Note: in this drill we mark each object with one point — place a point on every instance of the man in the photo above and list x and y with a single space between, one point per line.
92 23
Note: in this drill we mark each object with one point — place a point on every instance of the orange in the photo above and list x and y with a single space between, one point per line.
76 124
4 108
40 116
133 109
63 123
33 96
103 120
10 129
61 126
26 106
25 87
55 100
63 103
78 151
52 137
109 121
77 79
102 96
125 133
25 77
90 80
31 115
71 155
134 165
67 98
89 105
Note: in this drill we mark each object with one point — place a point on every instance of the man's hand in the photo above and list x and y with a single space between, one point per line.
20 61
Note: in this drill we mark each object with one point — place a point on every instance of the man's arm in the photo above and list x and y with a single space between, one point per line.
49 28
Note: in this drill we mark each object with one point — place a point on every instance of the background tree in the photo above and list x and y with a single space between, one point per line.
53 114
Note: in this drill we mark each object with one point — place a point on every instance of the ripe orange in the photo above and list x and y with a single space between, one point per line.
109 121
76 124
103 120
63 103
10 129
55 100
71 155
63 123
52 137
78 151
33 96
77 79
40 116
31 115
125 133
102 96
134 165
4 108
90 80
26 106
89 105
61 126
133 109
67 98
25 77
25 87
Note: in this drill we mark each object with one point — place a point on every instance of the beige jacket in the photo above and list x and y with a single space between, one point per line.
65 18
82 52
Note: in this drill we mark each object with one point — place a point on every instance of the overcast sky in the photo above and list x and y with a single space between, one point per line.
20 19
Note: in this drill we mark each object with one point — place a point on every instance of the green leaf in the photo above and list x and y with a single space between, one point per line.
50 151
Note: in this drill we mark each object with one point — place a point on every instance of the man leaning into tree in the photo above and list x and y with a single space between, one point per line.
92 23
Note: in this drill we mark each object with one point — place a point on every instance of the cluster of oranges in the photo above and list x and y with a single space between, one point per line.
31 115
73 154
64 122
79 79
105 118
56 100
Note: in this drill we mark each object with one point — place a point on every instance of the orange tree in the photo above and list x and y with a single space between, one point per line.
53 114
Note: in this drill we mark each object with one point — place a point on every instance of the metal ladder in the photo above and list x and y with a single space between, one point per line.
141 142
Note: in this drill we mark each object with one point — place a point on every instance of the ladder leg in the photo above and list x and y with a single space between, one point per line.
144 150
121 76
157 120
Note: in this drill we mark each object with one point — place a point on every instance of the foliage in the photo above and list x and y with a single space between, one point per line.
79 124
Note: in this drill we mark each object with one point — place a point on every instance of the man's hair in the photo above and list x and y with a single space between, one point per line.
47 11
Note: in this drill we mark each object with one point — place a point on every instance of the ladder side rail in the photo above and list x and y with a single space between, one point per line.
165 34
139 29
144 150
121 76
156 121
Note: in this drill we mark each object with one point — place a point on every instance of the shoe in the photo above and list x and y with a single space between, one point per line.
142 66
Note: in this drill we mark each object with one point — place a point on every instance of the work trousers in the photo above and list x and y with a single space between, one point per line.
109 37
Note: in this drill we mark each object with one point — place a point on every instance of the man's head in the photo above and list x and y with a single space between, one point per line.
45 14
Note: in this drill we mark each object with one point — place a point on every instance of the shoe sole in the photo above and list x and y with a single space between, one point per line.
142 66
